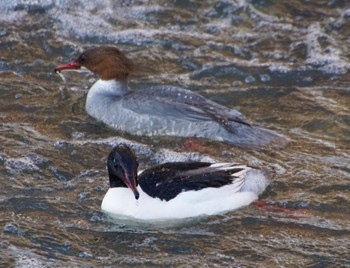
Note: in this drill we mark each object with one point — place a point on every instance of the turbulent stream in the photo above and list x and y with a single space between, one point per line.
283 63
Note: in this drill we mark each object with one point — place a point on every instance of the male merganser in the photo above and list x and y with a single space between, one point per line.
159 110
179 189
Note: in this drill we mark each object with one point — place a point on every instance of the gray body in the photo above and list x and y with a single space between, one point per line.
170 111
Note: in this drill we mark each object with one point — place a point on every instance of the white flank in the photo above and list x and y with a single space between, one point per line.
121 201
209 201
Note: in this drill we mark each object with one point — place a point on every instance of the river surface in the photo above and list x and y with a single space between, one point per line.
284 64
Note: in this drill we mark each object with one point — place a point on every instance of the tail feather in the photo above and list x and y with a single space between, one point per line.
256 181
253 136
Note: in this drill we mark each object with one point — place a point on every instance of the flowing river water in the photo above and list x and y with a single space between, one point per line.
284 64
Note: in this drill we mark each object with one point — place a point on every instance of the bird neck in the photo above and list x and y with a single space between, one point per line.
110 87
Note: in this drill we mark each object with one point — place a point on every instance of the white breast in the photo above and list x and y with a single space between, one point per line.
121 201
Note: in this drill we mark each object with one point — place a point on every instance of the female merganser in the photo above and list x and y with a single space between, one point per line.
179 189
159 110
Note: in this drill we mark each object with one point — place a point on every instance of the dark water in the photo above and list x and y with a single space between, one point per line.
284 64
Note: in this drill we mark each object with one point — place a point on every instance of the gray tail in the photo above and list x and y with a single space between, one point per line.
246 135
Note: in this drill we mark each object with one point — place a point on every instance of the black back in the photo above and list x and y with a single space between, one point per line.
167 180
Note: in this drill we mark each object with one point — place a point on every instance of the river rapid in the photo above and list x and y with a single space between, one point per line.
283 64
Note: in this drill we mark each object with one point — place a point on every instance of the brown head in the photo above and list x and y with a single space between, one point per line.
107 61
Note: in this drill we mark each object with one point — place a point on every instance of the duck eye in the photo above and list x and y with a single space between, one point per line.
82 58
118 170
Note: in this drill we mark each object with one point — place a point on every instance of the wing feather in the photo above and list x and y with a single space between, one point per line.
178 103
168 180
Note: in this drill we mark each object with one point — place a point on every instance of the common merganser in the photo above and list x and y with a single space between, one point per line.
159 110
179 189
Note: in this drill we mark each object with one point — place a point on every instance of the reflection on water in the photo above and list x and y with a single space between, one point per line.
284 64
